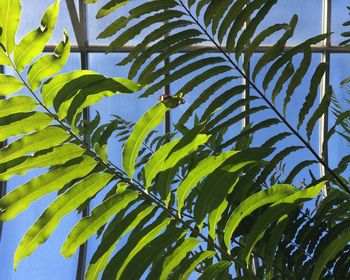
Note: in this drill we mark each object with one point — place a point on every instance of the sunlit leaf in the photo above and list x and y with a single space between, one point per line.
48 65
16 104
21 197
9 84
99 216
34 42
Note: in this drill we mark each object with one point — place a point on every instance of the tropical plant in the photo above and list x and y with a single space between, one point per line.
202 200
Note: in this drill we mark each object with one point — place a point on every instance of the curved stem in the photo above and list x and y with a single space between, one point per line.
269 103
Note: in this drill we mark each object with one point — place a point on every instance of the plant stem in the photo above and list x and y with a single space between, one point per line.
269 103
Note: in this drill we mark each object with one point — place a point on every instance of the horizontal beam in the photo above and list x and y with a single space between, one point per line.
260 49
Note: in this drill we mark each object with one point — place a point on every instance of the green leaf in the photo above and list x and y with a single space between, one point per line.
169 46
203 77
295 171
214 218
320 111
276 236
101 151
221 100
219 14
272 164
151 119
259 39
46 158
153 36
20 198
288 55
34 42
212 271
329 253
49 65
251 130
17 104
229 18
88 226
274 212
203 168
153 6
215 187
297 77
285 76
176 257
22 123
277 49
50 89
41 230
9 84
255 201
110 7
115 231
135 244
38 141
150 254
4 60
182 72
311 96
93 92
201 4
194 262
114 27
156 162
249 31
65 94
147 77
133 31
204 96
239 21
10 14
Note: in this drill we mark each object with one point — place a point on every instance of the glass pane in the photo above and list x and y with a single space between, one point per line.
309 19
340 14
340 69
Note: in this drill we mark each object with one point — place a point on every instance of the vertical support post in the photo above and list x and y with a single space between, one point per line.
325 57
167 122
246 92
2 184
84 61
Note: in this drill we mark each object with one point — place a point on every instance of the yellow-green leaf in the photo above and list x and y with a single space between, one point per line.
151 119
37 141
10 14
88 226
46 158
203 168
9 84
48 65
16 104
41 230
21 197
34 42
23 123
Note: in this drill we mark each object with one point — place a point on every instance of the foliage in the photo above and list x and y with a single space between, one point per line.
201 200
